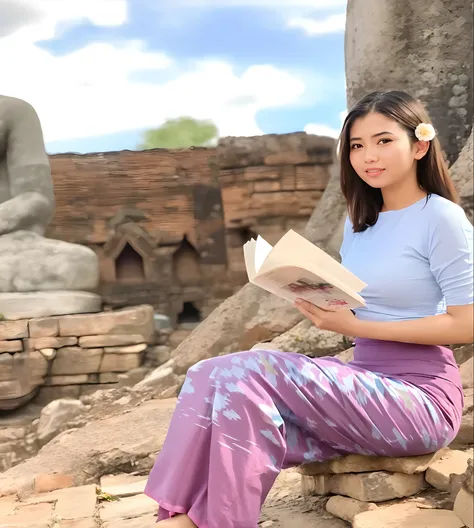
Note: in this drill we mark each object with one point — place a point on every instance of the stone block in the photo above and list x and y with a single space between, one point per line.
266 186
66 380
39 343
137 320
127 508
108 377
119 362
29 367
464 507
76 360
286 158
377 486
316 485
29 305
76 503
362 464
44 327
95 341
407 516
438 474
346 508
11 346
123 485
27 514
312 177
130 349
50 482
13 329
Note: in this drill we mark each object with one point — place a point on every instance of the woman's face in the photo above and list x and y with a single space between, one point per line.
381 152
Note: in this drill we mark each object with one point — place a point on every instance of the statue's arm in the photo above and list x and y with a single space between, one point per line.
31 187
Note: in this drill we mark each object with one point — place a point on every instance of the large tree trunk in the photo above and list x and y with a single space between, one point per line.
424 48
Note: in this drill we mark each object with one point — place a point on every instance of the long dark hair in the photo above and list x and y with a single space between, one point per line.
363 201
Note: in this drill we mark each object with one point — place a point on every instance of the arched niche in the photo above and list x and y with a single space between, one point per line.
186 263
129 266
190 314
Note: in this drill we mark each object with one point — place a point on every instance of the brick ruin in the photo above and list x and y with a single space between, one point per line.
168 226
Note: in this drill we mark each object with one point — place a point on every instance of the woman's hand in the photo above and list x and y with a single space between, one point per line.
341 321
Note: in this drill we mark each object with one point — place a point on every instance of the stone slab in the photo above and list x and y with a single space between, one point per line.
137 320
15 345
29 305
13 329
76 360
453 462
110 340
362 463
123 486
378 486
44 327
119 362
464 507
132 349
40 343
128 508
407 516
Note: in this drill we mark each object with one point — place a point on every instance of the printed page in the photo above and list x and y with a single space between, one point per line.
291 282
262 250
249 258
294 250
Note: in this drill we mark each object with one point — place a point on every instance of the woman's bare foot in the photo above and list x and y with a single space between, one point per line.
178 521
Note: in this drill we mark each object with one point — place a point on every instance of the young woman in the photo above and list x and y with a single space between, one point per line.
243 417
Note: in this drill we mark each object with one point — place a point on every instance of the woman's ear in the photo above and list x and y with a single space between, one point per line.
421 148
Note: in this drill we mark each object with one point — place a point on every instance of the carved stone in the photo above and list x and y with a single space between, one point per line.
28 261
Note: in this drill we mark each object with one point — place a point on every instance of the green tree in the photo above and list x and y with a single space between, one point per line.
183 132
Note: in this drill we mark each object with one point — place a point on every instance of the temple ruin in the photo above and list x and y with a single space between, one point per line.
168 226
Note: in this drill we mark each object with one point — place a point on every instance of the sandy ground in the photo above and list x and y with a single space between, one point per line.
286 508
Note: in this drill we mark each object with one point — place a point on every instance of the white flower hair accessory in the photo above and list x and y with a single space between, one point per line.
425 132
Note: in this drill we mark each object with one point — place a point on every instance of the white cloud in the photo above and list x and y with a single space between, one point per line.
38 19
320 129
91 91
312 27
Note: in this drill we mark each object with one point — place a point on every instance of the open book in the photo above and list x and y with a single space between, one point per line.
297 268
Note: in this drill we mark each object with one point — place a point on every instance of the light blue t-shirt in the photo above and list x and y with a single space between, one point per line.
415 261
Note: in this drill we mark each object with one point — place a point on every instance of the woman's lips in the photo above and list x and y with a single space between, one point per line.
374 172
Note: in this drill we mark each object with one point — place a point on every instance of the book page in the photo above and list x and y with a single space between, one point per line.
294 250
292 282
249 258
262 250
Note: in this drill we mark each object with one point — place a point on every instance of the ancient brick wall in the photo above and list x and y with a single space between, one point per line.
168 226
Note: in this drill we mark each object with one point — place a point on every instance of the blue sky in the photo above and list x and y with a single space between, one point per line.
99 72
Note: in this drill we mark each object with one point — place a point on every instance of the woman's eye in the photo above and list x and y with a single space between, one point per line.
386 140
355 145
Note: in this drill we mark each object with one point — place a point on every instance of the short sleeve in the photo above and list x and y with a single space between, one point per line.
346 237
451 255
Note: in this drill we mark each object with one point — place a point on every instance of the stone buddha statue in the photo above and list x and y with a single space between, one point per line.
38 276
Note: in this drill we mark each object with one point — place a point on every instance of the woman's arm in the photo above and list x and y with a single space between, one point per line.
454 327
